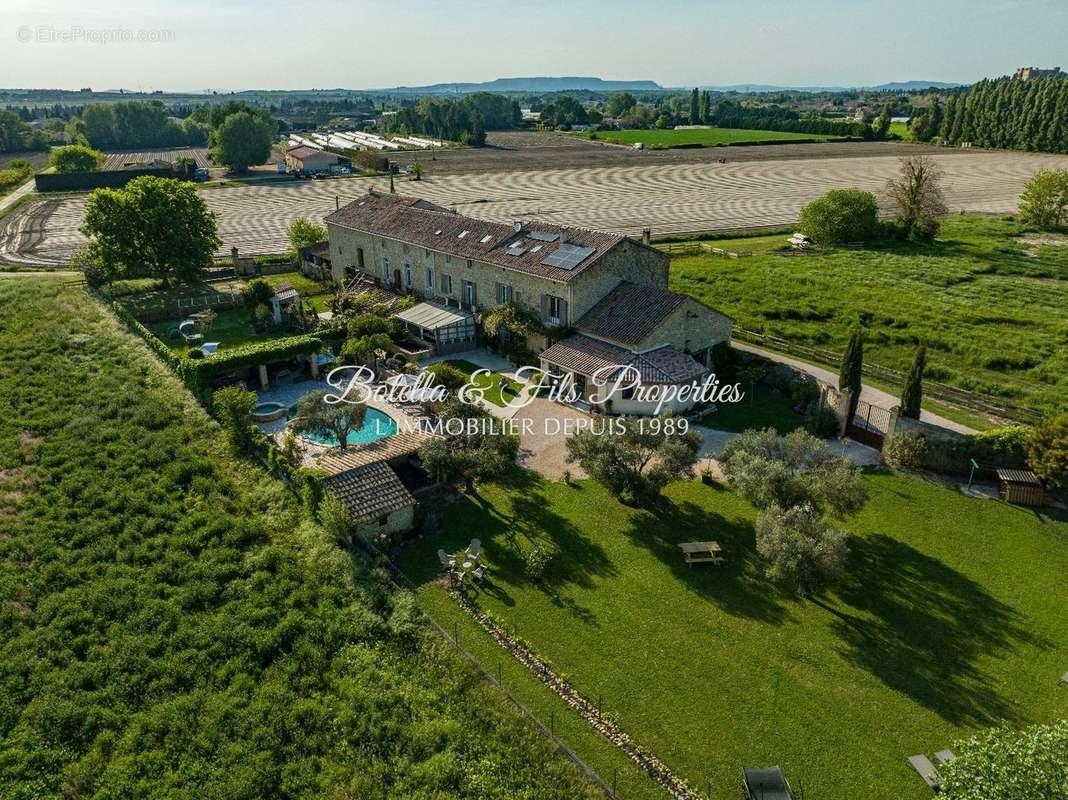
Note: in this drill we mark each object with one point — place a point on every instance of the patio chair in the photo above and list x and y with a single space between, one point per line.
446 562
479 573
927 771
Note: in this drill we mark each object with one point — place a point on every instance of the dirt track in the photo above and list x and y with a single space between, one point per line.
672 197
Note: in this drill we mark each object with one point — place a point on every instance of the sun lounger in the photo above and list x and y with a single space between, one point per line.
945 756
927 771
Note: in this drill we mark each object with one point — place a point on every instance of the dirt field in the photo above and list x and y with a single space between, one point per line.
667 197
119 160
516 151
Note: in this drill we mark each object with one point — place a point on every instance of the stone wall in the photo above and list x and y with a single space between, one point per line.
627 261
399 521
692 327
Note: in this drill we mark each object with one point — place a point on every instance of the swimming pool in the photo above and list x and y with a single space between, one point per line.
376 425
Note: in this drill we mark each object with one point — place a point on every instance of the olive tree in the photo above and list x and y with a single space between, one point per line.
473 447
1044 203
317 417
800 548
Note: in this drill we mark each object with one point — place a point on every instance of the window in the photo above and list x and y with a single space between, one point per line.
469 262
469 292
383 520
485 238
385 271
556 307
407 276
461 234
446 284
430 279
504 293
359 257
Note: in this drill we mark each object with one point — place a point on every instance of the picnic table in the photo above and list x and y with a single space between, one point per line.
701 552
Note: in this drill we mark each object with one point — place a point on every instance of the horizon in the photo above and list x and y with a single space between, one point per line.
769 43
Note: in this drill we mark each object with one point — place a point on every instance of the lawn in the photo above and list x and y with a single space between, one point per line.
490 383
989 301
232 327
952 618
762 407
701 137
175 626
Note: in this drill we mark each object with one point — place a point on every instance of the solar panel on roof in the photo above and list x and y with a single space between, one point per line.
535 248
516 251
543 236
567 256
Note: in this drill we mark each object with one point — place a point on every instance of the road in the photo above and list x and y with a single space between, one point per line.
13 197
869 394
668 198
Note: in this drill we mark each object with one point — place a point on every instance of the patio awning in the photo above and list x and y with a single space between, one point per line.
431 316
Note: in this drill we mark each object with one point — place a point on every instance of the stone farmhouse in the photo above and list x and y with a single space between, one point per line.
602 297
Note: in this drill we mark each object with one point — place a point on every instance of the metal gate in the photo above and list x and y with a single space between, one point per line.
869 425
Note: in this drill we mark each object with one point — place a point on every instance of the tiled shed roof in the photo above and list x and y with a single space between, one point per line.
370 492
387 448
421 223
586 355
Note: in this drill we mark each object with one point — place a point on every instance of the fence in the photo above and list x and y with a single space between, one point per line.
696 248
952 395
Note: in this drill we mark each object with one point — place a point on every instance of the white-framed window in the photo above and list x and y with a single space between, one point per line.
469 292
504 293
446 284
407 276
385 270
556 307
430 279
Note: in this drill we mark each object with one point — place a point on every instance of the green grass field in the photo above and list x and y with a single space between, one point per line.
902 130
950 619
703 137
989 301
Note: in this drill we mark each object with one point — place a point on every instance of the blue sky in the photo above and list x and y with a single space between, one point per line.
236 44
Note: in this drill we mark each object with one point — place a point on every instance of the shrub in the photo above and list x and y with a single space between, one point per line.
234 407
804 391
905 451
1005 764
821 421
1044 202
1048 451
76 158
536 562
256 293
841 215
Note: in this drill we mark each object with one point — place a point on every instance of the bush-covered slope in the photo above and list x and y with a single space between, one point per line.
171 627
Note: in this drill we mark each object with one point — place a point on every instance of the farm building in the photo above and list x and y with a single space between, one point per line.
310 160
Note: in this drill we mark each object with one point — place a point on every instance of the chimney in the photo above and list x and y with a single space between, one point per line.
517 224
233 255
337 202
647 236
563 236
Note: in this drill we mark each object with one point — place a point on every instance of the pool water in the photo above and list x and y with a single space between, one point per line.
376 425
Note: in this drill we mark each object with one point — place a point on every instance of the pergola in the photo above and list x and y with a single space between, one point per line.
446 328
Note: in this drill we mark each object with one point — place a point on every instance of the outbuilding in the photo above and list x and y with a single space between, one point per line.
310 160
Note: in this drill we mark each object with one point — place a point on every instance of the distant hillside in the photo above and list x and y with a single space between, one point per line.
565 84
900 86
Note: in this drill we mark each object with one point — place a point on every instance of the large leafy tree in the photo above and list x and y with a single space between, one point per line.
637 462
303 232
1005 764
76 158
473 448
1044 202
317 417
153 226
241 140
841 215
620 103
794 480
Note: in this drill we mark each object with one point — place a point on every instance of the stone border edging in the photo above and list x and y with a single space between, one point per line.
653 766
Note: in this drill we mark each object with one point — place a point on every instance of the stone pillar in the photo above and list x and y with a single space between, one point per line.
263 376
891 425
845 402
314 359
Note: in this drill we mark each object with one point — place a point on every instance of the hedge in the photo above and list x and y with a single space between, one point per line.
996 448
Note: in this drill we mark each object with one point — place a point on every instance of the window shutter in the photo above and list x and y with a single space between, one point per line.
544 308
563 312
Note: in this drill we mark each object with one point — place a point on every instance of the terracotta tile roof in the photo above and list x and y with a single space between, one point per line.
398 445
303 151
586 355
370 492
421 223
630 312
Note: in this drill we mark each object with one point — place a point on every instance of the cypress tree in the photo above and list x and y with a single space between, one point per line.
851 375
695 107
912 394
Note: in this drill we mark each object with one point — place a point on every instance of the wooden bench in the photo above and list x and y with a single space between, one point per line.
701 552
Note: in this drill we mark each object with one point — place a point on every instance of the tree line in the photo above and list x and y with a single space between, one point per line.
16 135
776 118
465 120
1002 113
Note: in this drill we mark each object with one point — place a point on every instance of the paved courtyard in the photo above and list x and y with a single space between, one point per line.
669 198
